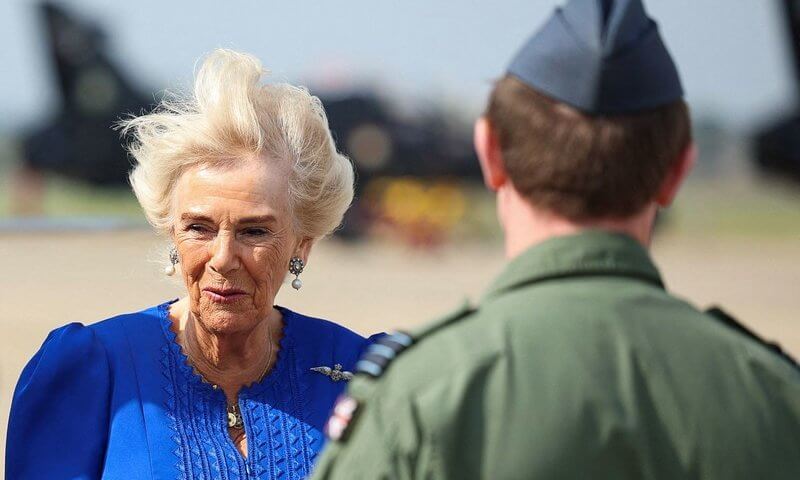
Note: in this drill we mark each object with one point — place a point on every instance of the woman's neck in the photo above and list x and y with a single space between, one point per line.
231 361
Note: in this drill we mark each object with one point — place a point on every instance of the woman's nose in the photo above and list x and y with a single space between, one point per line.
224 257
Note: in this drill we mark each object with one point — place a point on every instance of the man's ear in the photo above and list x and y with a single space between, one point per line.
676 175
490 155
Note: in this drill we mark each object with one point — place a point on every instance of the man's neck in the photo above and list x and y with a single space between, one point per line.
526 225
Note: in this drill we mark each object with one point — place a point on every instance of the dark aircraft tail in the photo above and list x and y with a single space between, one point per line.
777 148
78 140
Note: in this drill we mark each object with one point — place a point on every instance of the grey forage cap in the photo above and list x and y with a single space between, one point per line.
603 57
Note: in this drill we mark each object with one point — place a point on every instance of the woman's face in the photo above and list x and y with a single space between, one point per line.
234 238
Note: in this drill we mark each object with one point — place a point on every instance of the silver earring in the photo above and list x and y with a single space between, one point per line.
296 266
169 270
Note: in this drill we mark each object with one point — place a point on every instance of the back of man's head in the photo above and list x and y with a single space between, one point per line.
590 116
582 166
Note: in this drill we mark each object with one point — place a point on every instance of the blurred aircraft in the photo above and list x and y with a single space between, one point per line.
78 141
777 147
425 154
411 175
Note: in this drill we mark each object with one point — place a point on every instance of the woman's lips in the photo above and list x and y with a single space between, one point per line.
224 295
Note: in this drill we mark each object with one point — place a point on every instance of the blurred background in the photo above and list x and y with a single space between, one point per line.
402 83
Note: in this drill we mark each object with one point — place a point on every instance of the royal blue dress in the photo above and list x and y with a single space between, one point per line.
117 400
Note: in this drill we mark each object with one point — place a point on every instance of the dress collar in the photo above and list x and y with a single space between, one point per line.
184 365
590 253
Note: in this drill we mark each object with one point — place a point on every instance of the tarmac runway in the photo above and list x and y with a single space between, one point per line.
54 278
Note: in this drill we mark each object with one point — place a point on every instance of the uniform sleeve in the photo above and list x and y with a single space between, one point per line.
382 443
59 415
363 456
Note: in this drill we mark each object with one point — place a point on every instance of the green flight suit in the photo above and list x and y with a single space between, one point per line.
577 364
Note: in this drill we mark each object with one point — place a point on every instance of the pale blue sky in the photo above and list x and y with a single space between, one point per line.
731 54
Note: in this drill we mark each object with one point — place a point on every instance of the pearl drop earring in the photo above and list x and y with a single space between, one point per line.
296 266
169 270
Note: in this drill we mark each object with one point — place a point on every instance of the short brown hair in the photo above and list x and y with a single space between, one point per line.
581 166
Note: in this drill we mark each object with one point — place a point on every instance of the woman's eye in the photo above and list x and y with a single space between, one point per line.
196 227
256 232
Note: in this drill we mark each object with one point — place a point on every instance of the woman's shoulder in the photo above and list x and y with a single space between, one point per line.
77 342
87 352
152 316
70 355
323 337
69 375
66 348
320 328
322 343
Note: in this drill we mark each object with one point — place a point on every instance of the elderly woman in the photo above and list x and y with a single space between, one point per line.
221 384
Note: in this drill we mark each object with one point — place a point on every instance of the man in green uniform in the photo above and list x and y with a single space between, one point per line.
577 363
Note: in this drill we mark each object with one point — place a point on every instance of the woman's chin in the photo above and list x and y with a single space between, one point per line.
228 317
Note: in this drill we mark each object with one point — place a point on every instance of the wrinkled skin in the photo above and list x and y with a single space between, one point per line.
234 235
222 242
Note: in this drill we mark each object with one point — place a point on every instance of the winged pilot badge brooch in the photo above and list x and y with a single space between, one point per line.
336 373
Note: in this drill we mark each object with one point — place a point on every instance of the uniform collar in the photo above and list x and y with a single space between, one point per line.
590 253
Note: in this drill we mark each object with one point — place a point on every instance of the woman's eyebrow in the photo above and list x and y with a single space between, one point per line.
258 219
197 217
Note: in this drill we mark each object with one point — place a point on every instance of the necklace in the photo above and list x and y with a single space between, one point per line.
234 415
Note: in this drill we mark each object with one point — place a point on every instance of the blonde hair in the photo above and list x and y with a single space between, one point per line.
230 117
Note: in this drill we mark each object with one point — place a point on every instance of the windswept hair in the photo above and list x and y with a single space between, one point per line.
230 117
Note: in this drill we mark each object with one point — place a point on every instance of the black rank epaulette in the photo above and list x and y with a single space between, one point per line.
381 353
731 322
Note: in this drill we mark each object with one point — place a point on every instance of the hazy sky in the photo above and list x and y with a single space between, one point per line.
732 54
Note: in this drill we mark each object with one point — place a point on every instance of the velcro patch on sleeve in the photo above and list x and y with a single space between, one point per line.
344 412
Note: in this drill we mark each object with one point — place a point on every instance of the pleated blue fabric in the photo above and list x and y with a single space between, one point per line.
118 400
